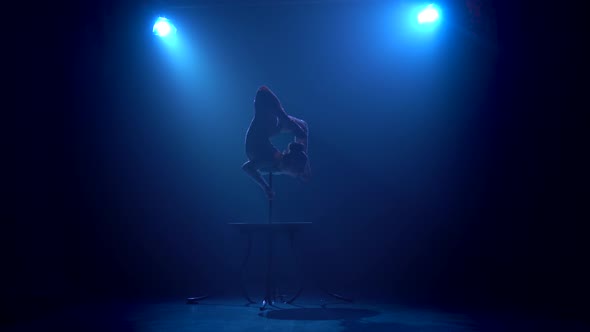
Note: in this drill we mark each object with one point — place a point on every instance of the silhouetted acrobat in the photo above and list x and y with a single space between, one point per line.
270 119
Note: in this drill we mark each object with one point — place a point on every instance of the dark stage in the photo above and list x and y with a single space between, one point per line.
313 313
426 160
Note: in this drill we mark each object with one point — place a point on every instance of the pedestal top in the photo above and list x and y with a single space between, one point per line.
275 226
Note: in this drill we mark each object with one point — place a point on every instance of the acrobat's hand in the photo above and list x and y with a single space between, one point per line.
270 194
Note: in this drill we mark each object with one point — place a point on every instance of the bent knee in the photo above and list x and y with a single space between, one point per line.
248 166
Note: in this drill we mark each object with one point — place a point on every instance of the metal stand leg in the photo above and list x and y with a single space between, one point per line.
243 269
339 297
298 267
269 294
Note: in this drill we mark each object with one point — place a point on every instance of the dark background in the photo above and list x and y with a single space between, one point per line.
443 174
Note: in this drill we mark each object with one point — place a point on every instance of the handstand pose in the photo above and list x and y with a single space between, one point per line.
269 120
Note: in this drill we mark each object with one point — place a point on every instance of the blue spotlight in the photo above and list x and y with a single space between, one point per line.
163 27
430 14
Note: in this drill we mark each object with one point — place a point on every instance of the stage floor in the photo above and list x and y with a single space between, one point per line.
307 315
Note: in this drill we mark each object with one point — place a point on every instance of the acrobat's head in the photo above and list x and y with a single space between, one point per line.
295 162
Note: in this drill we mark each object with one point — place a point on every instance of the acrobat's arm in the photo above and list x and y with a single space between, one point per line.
299 128
304 134
289 123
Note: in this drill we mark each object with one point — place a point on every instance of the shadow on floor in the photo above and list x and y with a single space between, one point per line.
320 314
356 326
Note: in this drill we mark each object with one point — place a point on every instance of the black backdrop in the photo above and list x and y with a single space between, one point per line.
61 241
